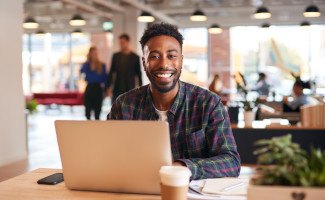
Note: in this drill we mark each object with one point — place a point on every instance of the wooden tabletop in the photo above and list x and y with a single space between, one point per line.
25 187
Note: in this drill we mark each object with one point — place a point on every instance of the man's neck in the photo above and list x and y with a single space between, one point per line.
126 51
163 101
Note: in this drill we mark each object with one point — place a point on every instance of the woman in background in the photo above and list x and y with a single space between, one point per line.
216 85
96 78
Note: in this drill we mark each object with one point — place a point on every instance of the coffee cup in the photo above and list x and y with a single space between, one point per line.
174 182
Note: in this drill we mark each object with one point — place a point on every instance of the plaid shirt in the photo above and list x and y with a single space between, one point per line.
200 132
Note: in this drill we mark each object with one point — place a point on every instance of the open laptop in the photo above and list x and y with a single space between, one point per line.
114 156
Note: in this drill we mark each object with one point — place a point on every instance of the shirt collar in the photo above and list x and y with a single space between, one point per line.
179 98
177 102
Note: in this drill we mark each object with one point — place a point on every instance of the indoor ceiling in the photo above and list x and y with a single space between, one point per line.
54 15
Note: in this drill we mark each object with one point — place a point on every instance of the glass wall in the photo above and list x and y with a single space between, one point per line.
195 51
279 52
47 64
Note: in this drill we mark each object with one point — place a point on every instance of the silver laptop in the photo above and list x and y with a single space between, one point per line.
113 156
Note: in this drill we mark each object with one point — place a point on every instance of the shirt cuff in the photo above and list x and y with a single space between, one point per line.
193 167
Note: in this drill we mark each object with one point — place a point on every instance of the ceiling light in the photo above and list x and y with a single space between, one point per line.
312 11
262 13
40 32
305 24
215 29
30 23
198 16
77 20
146 17
77 33
265 25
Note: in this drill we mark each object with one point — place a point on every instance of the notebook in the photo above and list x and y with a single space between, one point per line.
221 186
226 186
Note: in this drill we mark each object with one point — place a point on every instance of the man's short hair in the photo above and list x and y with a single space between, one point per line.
262 75
124 36
299 83
161 29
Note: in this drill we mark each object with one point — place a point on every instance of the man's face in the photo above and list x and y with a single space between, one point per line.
124 44
297 90
162 60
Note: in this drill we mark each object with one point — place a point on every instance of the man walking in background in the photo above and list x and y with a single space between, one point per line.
125 72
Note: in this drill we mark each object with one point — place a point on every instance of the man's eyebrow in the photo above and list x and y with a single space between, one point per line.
168 51
154 51
172 50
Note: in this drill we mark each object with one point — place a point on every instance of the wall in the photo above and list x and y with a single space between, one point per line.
12 118
219 58
103 43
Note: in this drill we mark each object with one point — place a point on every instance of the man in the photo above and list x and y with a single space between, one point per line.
125 72
262 87
200 132
299 98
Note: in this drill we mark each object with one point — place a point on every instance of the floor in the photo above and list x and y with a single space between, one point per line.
43 150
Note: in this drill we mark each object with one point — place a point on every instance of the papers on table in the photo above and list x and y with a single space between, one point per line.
225 186
219 188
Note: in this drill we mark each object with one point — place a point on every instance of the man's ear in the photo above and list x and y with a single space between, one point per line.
143 63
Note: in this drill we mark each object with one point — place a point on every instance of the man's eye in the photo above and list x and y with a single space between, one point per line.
154 57
172 56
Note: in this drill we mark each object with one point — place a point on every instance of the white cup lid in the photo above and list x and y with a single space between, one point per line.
175 175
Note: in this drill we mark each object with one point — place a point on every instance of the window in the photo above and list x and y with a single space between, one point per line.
195 63
47 64
278 51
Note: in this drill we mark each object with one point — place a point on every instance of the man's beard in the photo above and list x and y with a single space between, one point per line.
160 88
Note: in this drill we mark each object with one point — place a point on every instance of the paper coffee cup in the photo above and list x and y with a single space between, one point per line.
175 175
174 182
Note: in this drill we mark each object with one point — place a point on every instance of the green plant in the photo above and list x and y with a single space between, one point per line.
31 105
285 163
242 90
248 105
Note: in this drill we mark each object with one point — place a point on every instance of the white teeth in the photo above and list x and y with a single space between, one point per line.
164 75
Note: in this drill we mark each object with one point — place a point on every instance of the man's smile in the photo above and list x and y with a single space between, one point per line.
164 76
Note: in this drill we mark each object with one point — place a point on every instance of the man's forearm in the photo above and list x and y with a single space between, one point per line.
225 165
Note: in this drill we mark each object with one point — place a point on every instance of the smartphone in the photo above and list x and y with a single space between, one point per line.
52 179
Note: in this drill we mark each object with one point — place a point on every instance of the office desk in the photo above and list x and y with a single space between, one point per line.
25 187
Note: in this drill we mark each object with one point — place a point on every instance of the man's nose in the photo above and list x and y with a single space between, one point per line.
164 62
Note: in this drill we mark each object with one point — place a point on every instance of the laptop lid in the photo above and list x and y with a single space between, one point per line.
114 156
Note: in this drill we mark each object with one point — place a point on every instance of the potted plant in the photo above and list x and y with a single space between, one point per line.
31 105
287 172
249 112
247 105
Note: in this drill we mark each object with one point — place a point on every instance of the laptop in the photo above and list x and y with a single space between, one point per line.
113 156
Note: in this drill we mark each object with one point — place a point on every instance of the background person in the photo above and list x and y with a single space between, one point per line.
125 73
216 84
299 98
262 87
96 77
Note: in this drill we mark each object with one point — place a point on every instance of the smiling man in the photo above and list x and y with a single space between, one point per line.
200 132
